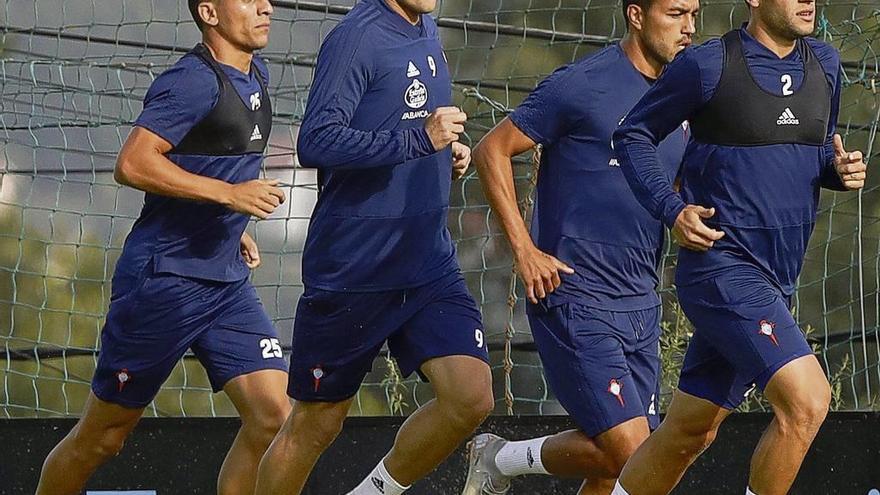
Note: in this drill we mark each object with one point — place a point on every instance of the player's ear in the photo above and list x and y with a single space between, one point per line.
635 16
753 3
208 13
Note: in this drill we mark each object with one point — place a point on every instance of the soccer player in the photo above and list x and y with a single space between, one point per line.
762 103
181 281
379 264
590 265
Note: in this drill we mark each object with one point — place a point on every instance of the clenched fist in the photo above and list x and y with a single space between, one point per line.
444 125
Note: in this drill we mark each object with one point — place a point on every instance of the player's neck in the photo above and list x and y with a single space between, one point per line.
411 16
638 56
226 53
780 45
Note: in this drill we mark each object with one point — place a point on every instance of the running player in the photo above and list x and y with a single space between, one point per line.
181 281
590 265
379 264
762 102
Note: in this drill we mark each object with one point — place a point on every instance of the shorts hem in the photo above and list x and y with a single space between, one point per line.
128 404
245 371
321 398
405 372
723 404
769 372
600 429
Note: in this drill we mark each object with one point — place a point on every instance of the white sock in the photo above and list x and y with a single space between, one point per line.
618 490
379 482
524 457
749 491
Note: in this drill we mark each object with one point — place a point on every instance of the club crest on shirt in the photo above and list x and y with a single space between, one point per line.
416 95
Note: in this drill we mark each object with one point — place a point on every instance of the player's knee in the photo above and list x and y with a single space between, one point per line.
693 439
625 450
263 428
806 413
105 446
320 427
470 408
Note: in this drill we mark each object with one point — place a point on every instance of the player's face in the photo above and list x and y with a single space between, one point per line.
669 27
791 19
245 23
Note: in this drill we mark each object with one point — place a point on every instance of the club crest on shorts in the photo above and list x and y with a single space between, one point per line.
317 374
615 388
766 329
416 95
122 376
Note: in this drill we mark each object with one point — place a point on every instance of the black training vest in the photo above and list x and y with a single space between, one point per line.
231 128
741 113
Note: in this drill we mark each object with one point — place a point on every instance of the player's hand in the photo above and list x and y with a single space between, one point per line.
690 232
850 166
539 272
257 197
249 251
461 160
444 125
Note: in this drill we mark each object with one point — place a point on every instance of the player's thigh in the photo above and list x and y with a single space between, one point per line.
146 333
465 380
447 322
694 416
260 396
240 340
583 356
316 422
336 337
800 388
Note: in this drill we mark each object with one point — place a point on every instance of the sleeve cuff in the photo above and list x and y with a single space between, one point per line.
674 206
421 144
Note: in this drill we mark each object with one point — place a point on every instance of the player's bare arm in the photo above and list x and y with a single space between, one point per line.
142 164
850 166
492 156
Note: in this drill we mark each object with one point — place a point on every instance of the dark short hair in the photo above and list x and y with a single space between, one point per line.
194 10
644 4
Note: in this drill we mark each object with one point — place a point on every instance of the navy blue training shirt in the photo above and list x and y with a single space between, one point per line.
765 196
188 238
585 214
380 220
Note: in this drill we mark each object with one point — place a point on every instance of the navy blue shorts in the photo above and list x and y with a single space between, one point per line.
603 366
743 333
152 324
337 335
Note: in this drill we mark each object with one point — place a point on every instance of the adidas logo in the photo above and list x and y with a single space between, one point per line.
529 457
256 135
412 70
379 484
787 118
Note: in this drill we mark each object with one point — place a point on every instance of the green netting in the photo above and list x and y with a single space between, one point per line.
72 77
